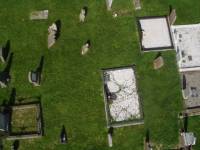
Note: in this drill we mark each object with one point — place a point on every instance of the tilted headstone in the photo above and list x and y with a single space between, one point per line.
172 17
109 4
137 4
84 49
158 63
39 15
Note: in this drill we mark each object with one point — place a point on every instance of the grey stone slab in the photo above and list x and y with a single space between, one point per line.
39 15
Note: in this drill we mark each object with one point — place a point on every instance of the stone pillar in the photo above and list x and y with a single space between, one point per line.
109 4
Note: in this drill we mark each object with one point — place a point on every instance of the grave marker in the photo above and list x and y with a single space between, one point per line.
109 4
158 63
172 17
137 4
39 15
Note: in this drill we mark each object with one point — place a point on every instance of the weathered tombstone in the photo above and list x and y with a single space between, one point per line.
39 15
5 74
52 35
85 48
4 80
109 4
172 17
137 4
158 62
34 78
110 134
110 143
83 14
1 55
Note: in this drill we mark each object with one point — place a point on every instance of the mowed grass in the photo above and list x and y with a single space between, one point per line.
71 91
24 120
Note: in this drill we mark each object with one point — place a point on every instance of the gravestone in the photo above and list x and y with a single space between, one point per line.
109 4
137 4
1 55
172 17
34 78
110 143
4 80
52 30
82 15
39 15
85 47
158 63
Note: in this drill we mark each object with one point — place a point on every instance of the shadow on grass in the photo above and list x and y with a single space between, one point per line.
5 74
58 25
6 50
12 97
40 67
63 135
15 145
158 55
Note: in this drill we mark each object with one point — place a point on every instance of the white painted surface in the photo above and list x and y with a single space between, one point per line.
155 33
126 106
187 45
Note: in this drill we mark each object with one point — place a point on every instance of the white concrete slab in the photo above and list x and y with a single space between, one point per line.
155 33
187 45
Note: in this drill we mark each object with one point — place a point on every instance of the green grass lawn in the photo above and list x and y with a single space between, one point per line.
71 90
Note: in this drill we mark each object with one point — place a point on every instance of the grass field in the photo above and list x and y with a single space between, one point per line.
71 91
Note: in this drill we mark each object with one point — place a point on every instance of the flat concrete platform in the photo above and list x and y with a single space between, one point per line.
155 33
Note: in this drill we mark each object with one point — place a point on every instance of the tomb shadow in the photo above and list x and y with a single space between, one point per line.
111 131
15 145
41 64
12 97
63 135
86 10
158 55
58 25
5 74
6 50
147 136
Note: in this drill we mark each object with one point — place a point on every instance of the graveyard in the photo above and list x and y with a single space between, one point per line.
58 51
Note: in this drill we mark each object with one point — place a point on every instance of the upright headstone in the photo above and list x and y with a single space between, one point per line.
110 144
1 55
172 17
137 4
109 4
52 30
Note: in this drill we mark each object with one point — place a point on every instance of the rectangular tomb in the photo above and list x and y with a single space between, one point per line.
187 45
122 103
25 121
155 34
